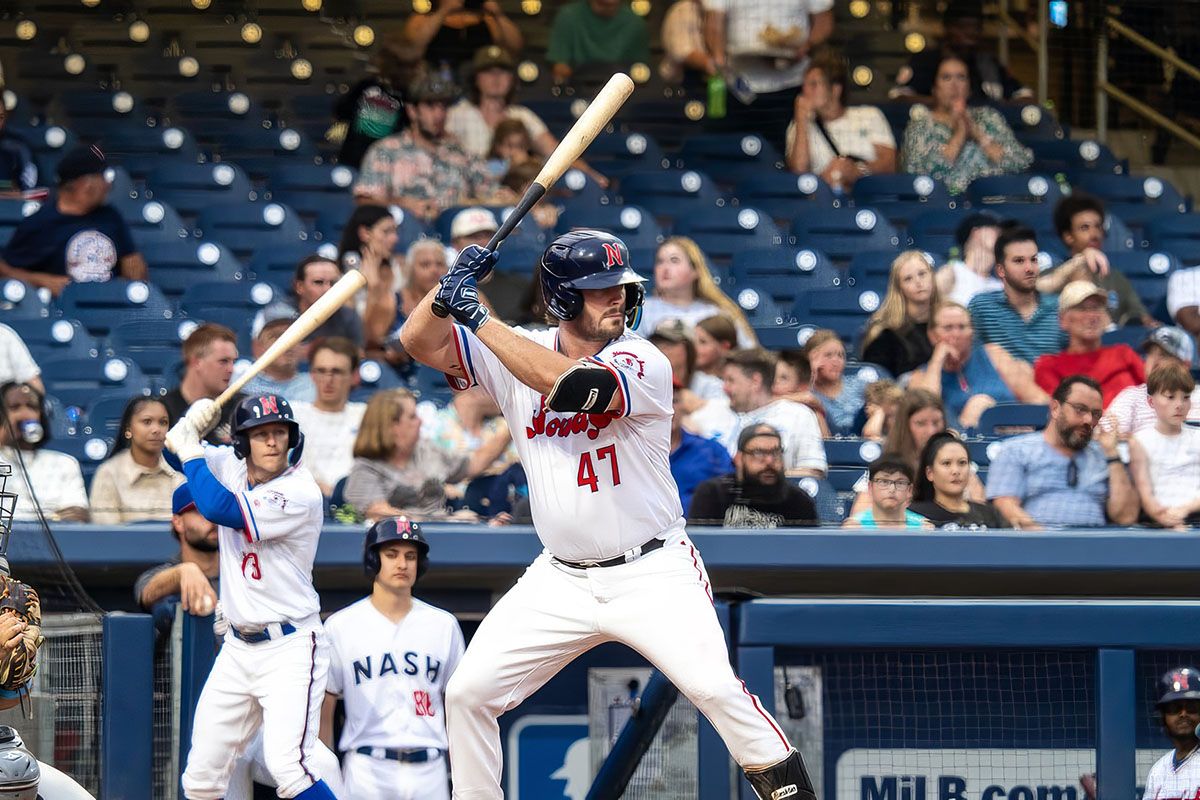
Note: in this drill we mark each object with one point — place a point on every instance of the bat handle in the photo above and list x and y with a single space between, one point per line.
532 195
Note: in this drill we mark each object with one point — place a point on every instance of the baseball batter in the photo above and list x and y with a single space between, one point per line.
270 672
1176 775
589 403
391 657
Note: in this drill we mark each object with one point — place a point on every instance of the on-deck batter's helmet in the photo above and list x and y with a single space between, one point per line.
588 260
394 529
1181 683
19 770
263 410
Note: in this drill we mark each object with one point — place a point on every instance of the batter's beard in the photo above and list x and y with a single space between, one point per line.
598 331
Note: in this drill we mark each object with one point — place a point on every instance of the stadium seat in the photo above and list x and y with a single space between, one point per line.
100 306
78 381
260 150
615 155
49 144
122 191
1012 415
209 105
982 450
189 188
97 104
277 265
934 231
851 452
89 451
152 344
248 297
1030 121
177 264
1134 199
722 231
102 417
757 304
372 377
866 371
430 384
843 479
842 232
12 213
1178 234
19 301
786 271
773 336
901 197
520 260
1014 189
577 188
635 225
1072 155
728 157
308 188
844 312
671 194
247 227
153 220
54 337
831 509
783 194
1131 335
1148 271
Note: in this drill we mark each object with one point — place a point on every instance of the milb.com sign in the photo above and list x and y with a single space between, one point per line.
961 774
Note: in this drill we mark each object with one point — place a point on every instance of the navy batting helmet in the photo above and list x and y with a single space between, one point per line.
394 529
1181 683
588 260
263 410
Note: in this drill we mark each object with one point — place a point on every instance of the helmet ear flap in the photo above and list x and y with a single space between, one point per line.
635 295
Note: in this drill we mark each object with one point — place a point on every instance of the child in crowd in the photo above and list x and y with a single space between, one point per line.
1165 458
891 487
793 381
883 400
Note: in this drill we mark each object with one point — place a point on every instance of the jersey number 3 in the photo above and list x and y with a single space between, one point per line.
587 472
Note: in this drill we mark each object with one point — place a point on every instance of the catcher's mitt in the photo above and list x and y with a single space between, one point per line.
21 599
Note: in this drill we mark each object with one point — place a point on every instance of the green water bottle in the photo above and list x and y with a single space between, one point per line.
716 97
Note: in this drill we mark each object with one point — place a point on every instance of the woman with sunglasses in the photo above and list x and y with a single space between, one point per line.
941 496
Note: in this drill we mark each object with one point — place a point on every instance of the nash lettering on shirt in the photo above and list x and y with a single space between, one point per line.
591 424
387 666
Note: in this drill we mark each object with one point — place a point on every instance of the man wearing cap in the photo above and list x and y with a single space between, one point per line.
76 236
1130 409
756 494
192 578
962 22
506 290
1177 773
424 169
1083 314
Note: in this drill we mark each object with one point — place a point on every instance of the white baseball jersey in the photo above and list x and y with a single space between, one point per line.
392 678
1166 781
599 484
266 568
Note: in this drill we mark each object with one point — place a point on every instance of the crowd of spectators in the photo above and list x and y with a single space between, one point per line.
948 342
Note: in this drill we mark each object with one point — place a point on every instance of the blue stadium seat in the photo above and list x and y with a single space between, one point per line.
100 306
635 225
982 450
934 231
901 197
1014 189
519 260
49 144
78 381
843 480
1030 121
1005 415
1072 155
374 376
618 154
782 194
757 304
177 264
122 190
1148 271
1134 199
842 232
12 213
152 221
578 188
866 371
722 231
152 344
19 301
1132 335
872 266
554 112
309 188
54 337
192 187
842 311
831 509
852 452
102 417
248 227
97 104
277 265
671 194
786 271
782 337
233 317
261 150
89 451
728 157
1178 234
248 297
430 384
208 104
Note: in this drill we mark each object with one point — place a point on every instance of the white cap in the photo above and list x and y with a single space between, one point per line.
473 220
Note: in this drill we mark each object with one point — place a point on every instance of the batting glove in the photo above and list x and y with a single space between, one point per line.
184 441
476 260
460 295
203 415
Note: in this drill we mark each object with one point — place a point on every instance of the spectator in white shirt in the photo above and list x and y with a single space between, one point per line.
16 364
330 421
838 142
683 44
755 39
971 269
41 478
1183 299
1131 409
749 376
1165 458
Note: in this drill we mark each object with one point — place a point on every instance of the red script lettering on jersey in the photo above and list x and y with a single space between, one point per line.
422 705
591 424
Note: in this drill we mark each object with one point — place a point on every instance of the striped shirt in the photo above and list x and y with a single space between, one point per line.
995 320
1037 475
1131 409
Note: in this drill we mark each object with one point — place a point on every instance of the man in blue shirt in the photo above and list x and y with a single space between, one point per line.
694 459
1019 318
1069 474
75 236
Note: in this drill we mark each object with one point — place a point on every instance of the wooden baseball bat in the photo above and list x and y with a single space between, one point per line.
306 323
590 123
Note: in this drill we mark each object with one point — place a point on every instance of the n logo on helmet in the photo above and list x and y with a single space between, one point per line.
266 405
612 255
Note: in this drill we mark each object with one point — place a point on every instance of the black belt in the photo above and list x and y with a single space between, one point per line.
254 637
405 756
624 558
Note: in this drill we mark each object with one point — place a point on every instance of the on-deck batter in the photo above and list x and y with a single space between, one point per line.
1176 776
270 672
391 656
589 404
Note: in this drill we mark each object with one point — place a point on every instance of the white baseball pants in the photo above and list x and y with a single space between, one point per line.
252 767
367 778
277 685
660 605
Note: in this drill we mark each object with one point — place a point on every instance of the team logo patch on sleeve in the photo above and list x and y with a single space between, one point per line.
275 499
623 359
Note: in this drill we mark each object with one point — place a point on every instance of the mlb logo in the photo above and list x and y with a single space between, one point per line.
549 758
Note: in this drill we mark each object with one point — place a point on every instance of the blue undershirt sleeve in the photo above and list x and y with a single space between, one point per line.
213 500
